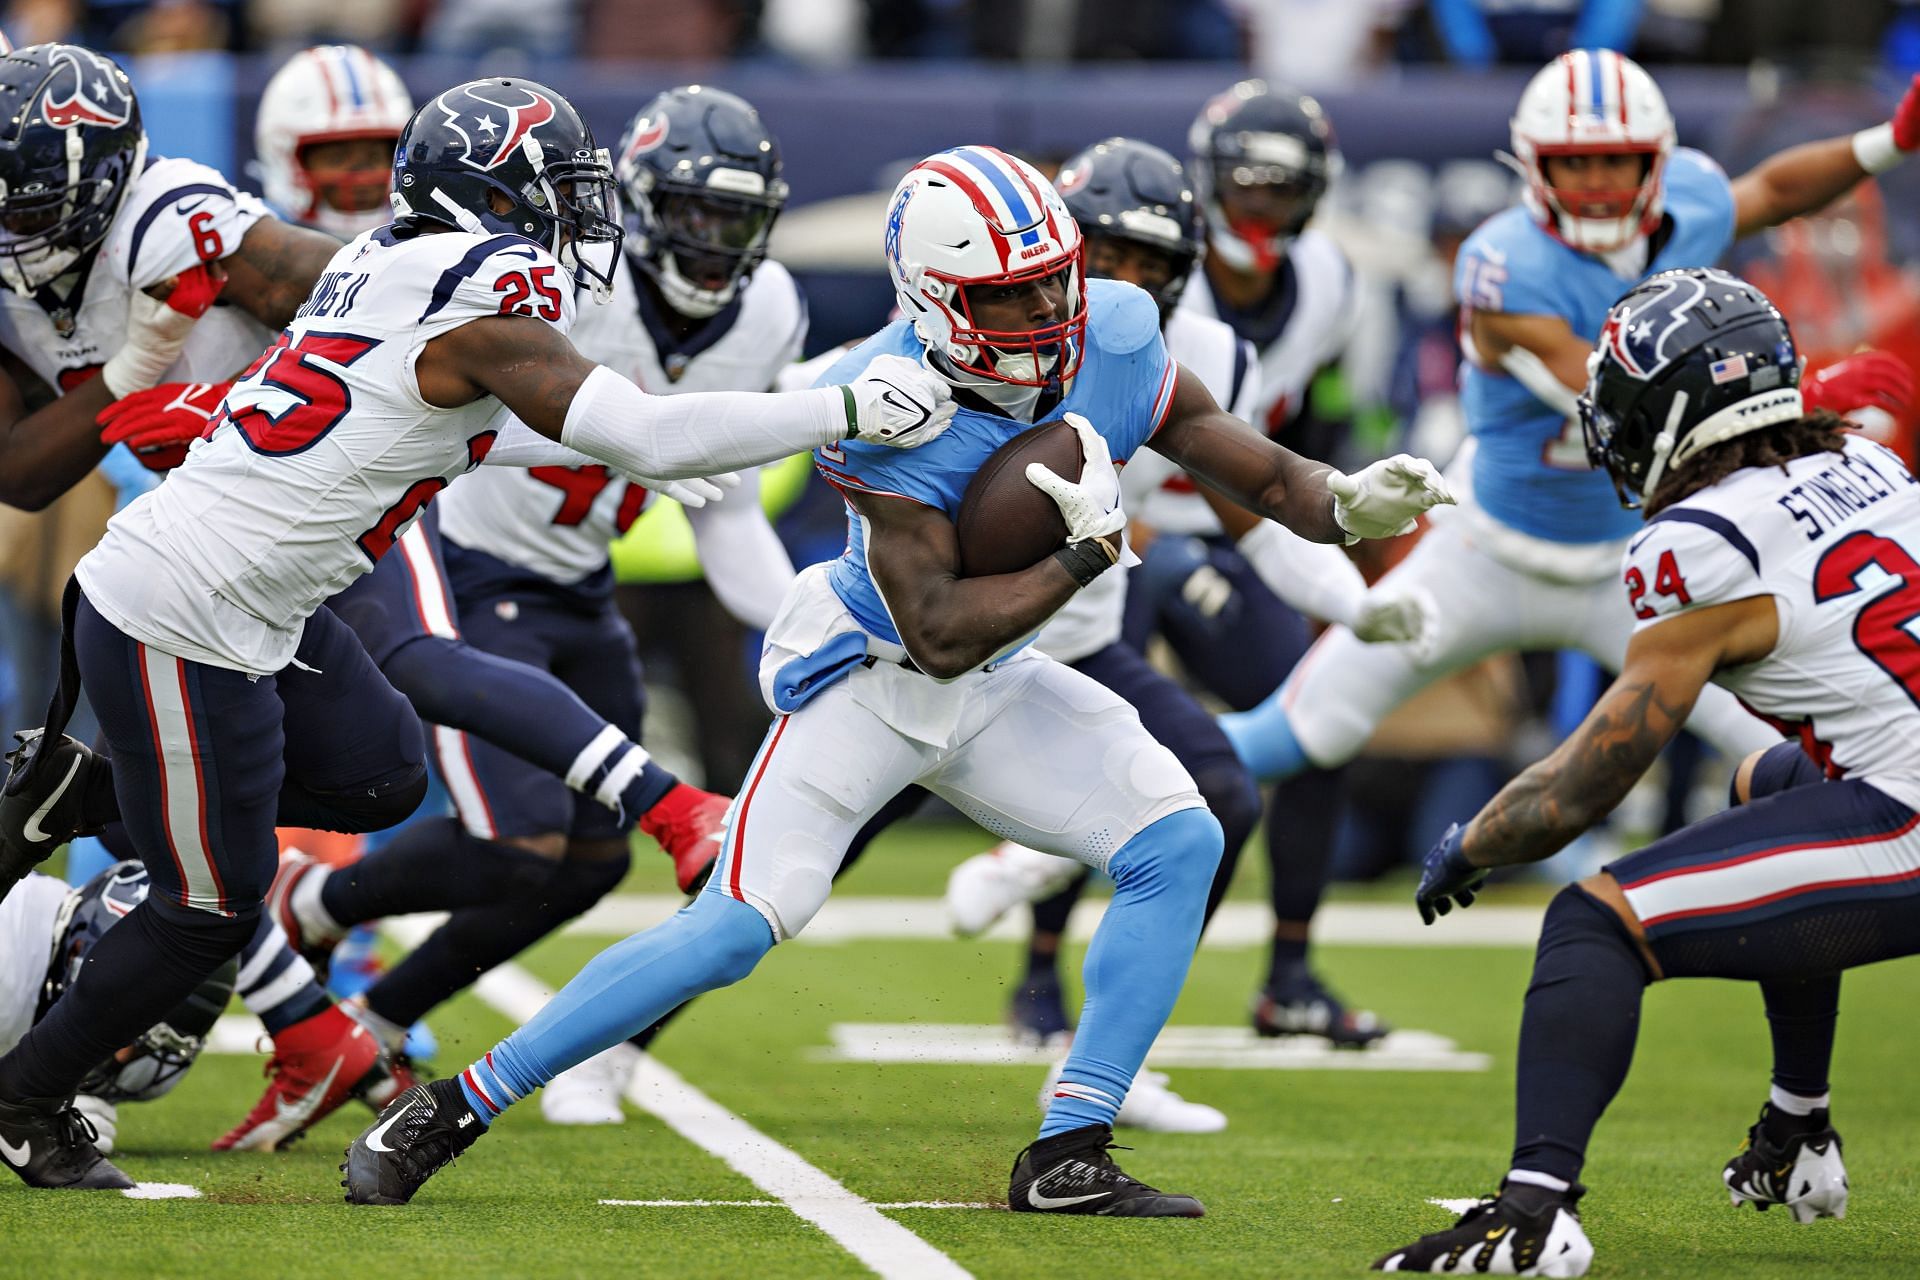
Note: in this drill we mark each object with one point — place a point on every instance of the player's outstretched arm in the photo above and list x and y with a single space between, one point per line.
536 372
1312 499
950 624
1809 176
275 268
1667 665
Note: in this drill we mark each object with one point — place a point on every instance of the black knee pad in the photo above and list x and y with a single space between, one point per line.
1576 917
383 804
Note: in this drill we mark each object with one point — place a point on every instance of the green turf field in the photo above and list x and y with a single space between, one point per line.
1320 1171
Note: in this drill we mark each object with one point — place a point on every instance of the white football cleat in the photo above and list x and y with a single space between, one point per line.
1804 1173
988 885
1151 1106
1531 1233
590 1092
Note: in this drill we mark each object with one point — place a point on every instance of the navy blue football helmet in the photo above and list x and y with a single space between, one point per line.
520 141
701 176
1686 360
154 1062
1262 158
1124 189
70 150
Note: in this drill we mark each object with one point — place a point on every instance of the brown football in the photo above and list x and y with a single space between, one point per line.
1005 523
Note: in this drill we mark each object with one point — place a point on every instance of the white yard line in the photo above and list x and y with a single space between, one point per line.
886 1248
781 1204
162 1191
1237 924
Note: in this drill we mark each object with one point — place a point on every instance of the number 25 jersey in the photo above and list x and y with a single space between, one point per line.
322 453
1835 540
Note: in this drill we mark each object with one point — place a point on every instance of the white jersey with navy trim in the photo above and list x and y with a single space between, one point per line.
557 521
1836 542
1301 330
322 455
26 947
1153 486
179 213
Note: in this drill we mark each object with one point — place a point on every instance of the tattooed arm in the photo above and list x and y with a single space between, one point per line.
274 270
1667 665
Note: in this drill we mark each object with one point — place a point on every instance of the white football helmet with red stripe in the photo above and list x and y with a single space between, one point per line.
331 93
1593 102
974 217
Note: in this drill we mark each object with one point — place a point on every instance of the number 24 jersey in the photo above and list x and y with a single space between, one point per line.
321 455
1835 540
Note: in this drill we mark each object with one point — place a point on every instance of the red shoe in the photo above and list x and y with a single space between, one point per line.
687 824
317 1064
295 867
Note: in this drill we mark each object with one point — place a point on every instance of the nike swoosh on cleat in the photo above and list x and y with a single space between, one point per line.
308 1102
373 1139
33 831
1040 1200
16 1156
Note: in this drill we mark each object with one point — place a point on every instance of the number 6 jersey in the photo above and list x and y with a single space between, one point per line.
1834 538
322 453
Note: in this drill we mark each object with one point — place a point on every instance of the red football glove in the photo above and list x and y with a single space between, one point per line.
1906 119
687 823
158 424
1868 380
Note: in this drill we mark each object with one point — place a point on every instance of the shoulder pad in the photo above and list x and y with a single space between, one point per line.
1688 558
897 339
1120 317
1506 265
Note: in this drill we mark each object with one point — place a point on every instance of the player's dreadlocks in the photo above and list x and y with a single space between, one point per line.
1821 431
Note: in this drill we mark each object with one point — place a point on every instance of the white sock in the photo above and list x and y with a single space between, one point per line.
1533 1179
315 923
1797 1104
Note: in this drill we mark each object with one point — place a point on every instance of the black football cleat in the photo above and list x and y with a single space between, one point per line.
1301 1005
48 1143
1072 1173
1802 1172
1523 1231
418 1134
69 793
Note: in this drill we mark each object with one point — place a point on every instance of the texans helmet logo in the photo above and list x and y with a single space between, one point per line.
647 136
492 129
84 88
1635 335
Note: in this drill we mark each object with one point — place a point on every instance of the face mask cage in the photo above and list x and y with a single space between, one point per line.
160 1057
42 233
577 199
1624 211
1040 357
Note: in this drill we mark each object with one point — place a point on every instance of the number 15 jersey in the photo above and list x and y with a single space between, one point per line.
322 453
1835 540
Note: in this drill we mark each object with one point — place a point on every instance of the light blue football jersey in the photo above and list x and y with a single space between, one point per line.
1124 387
1531 471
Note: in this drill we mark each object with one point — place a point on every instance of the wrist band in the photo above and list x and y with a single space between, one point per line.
1874 149
1085 560
853 413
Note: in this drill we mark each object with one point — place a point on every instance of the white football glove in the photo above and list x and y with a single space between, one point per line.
1091 507
105 1117
694 492
1385 498
1389 616
899 402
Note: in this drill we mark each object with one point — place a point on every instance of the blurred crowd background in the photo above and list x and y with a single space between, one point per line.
856 90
